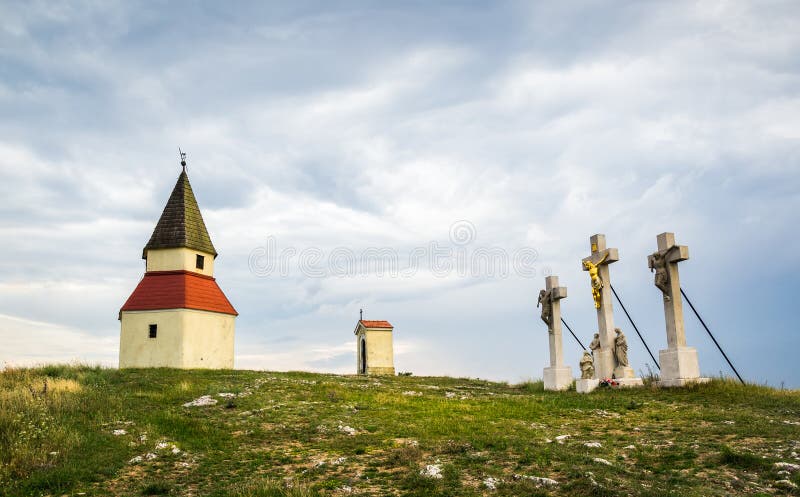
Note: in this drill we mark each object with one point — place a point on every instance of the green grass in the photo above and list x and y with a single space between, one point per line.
286 434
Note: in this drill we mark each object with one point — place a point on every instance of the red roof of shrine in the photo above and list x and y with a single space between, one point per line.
178 290
376 324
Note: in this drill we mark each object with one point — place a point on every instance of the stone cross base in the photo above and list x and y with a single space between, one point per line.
586 386
681 382
557 378
679 366
629 382
622 372
603 364
625 376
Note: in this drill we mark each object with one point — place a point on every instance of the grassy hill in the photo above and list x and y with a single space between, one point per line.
91 431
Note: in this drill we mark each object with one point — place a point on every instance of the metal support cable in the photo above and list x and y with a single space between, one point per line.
573 334
711 335
634 327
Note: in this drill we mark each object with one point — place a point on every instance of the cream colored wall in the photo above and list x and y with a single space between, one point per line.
380 351
174 259
138 350
186 339
208 340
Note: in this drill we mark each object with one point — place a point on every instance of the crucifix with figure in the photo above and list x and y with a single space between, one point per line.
597 265
607 364
679 364
557 376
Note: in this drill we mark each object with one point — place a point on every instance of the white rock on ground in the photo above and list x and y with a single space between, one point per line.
538 480
119 432
787 466
601 461
136 459
412 393
347 429
785 484
226 395
593 445
629 447
560 439
491 483
205 400
432 471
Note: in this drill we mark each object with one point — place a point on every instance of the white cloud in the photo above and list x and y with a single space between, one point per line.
336 126
27 342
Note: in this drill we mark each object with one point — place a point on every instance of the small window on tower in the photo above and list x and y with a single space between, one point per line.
200 261
153 330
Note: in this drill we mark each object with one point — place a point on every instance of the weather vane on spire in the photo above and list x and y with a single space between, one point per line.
183 158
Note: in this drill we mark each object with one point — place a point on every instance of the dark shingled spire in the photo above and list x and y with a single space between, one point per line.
181 224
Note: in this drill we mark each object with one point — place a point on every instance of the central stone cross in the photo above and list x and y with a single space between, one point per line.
597 265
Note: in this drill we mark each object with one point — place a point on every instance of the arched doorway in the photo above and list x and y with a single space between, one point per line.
363 356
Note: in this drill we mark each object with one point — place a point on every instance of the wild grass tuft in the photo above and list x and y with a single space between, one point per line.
32 430
269 488
157 488
742 460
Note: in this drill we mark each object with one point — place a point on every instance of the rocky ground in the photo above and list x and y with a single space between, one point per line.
91 431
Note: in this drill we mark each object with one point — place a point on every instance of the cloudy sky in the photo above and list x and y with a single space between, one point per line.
345 127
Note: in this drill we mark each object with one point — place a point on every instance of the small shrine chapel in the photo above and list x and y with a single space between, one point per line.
374 349
178 317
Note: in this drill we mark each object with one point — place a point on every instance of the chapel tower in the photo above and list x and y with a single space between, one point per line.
177 316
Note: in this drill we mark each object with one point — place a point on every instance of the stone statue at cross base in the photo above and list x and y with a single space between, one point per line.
658 263
547 309
597 281
621 349
587 366
595 343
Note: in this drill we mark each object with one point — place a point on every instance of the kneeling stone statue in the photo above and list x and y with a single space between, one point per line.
587 366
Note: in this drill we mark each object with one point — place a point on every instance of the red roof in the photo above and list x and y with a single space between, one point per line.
178 290
376 324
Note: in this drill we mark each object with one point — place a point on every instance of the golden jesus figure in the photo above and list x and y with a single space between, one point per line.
597 282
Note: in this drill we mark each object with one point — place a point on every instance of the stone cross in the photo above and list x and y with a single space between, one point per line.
600 258
665 263
679 363
557 376
555 293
